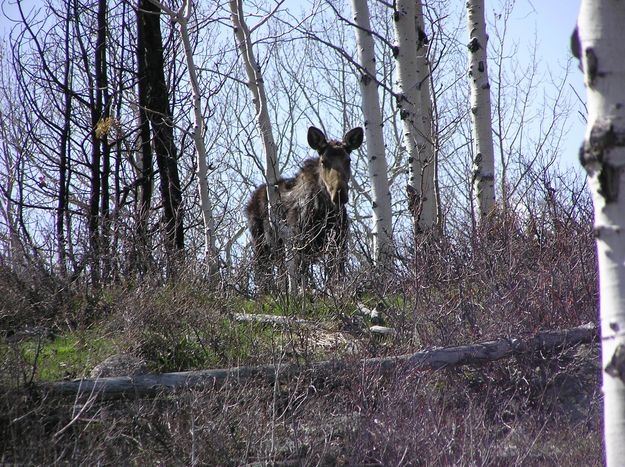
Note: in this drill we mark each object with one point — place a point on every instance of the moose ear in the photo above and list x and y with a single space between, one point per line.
353 138
316 138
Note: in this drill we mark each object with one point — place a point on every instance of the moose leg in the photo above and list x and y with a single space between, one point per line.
295 262
335 256
262 255
336 261
263 268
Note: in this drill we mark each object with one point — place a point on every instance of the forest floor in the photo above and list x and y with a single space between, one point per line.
533 409
538 408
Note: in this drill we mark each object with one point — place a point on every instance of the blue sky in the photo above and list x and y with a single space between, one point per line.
8 8
551 20
554 21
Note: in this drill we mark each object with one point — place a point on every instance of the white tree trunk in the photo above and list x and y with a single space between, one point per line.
483 176
272 169
424 71
210 249
14 250
410 75
602 48
378 169
257 87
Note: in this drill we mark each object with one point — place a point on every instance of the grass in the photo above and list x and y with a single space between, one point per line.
200 336
63 357
226 343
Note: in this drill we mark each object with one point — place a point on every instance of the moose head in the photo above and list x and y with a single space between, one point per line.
334 161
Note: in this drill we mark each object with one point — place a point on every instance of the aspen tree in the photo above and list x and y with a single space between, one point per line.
483 173
376 157
419 147
156 97
256 85
181 18
424 72
598 42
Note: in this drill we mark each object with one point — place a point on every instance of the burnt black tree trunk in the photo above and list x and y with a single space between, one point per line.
100 153
94 169
64 153
146 174
157 109
104 125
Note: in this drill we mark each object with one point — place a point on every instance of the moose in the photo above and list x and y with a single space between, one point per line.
310 210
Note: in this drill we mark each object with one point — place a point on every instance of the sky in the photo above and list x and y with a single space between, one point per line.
554 21
7 8
551 20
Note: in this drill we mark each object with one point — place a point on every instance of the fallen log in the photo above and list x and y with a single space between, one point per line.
434 359
381 330
271 319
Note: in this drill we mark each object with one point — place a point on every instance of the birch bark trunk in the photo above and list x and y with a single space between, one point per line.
257 87
599 42
263 121
378 169
409 101
424 72
483 173
210 249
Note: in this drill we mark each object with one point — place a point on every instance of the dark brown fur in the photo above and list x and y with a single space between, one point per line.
311 209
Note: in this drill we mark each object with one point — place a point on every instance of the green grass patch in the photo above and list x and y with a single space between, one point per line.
183 329
225 343
66 357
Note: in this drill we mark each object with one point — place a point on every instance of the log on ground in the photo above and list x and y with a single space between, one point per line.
152 384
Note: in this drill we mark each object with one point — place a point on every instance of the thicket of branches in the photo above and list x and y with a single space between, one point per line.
86 201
